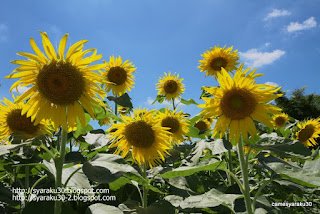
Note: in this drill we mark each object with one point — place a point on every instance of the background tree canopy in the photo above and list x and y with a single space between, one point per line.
299 105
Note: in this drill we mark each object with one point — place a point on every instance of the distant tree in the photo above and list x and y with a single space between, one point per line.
299 105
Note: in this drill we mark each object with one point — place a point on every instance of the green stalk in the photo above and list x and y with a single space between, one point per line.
174 106
115 110
145 188
230 167
244 171
59 166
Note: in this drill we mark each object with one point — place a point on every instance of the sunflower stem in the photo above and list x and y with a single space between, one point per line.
59 166
145 188
174 106
230 167
115 110
244 171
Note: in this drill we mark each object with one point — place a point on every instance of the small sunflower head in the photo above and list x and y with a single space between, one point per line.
203 124
140 112
175 123
217 58
119 75
147 141
279 120
123 110
308 131
13 121
170 86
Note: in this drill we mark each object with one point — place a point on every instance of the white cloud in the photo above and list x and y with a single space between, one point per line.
3 32
257 59
267 44
307 24
20 90
277 13
271 83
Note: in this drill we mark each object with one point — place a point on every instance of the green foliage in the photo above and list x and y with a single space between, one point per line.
299 105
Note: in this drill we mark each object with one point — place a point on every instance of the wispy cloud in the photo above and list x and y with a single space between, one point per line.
258 59
3 32
271 83
267 44
277 13
305 25
20 90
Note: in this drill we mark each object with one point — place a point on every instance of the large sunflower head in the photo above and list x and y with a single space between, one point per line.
147 141
177 124
279 120
203 124
170 86
62 85
308 131
12 121
217 58
237 102
119 75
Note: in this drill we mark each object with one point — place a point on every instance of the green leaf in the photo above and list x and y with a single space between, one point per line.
100 208
188 102
284 147
138 178
159 99
106 168
120 182
97 141
78 179
124 100
189 170
308 176
83 130
5 149
211 198
194 132
158 207
217 146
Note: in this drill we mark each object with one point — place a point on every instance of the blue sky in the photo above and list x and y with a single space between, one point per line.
279 38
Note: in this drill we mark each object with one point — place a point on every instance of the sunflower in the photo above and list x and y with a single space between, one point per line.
12 121
216 59
308 131
148 142
279 120
139 112
176 122
123 110
237 102
203 124
170 86
119 75
60 85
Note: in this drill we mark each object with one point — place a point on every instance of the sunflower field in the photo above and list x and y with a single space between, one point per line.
240 154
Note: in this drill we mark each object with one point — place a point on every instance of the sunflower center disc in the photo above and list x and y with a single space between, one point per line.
60 82
218 63
170 86
139 134
238 104
306 133
280 121
16 122
201 125
171 123
117 75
